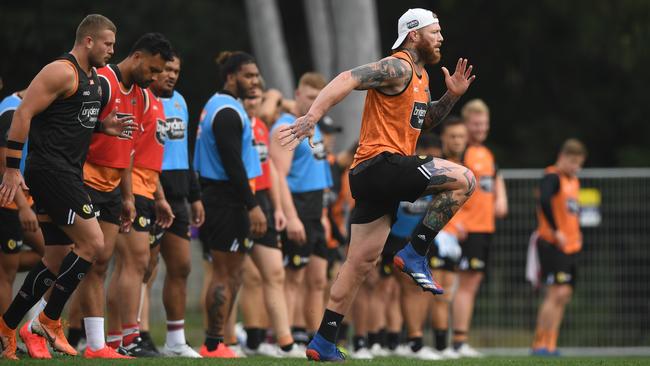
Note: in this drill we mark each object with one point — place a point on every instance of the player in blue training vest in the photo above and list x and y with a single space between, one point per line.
227 162
307 173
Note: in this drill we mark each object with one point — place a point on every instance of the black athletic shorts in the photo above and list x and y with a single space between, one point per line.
107 204
270 239
393 244
438 262
60 195
180 226
475 252
144 214
379 184
226 223
11 232
558 268
297 256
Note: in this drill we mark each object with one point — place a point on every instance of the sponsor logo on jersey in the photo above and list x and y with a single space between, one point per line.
417 115
573 206
161 131
172 129
262 151
319 150
486 183
89 113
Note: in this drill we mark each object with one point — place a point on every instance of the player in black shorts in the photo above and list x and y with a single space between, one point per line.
61 105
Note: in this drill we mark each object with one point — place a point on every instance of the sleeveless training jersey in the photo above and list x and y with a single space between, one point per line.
477 214
149 148
261 142
7 108
564 205
207 160
310 170
392 123
175 133
59 136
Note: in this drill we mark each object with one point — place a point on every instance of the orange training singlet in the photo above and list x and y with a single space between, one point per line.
393 122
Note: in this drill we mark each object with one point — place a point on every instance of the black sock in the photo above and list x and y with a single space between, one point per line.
373 338
459 334
299 335
73 270
75 335
288 347
343 333
212 341
382 337
330 324
359 342
392 340
440 335
415 343
37 282
254 337
422 238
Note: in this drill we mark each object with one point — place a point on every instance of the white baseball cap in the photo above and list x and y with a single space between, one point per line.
412 20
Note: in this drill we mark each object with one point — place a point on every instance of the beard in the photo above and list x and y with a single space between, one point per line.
428 54
242 91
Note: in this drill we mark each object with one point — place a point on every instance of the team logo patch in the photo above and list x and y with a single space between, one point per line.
412 24
142 221
262 150
422 157
417 115
87 209
89 113
436 262
388 269
248 243
486 183
161 127
476 263
562 277
296 260
319 150
11 244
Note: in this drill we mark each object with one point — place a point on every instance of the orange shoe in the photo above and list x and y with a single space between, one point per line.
53 332
7 341
36 345
222 351
106 352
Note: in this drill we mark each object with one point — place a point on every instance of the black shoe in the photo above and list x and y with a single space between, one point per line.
137 349
147 343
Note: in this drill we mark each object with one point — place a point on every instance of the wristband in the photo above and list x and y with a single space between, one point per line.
13 163
15 145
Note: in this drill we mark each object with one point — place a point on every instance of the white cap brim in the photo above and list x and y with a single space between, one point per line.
400 40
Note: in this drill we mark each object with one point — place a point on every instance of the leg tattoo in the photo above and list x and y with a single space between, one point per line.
440 210
216 318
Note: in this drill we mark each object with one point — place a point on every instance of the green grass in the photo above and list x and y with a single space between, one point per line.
604 361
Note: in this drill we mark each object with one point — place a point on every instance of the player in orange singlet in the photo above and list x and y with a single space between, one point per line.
385 170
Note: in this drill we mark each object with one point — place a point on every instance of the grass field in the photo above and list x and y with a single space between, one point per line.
604 361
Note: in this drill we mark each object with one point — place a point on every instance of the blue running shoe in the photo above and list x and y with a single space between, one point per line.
416 266
320 349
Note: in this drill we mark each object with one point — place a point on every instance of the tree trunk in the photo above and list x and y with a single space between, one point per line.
321 36
270 50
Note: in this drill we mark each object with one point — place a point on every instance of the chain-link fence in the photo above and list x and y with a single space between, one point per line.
611 303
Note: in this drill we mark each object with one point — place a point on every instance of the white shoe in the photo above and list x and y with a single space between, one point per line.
403 350
361 354
240 333
449 353
264 349
180 350
467 351
297 351
425 353
237 349
377 351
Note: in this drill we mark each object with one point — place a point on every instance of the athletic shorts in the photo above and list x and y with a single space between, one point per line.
107 204
379 184
62 197
475 250
226 224
270 239
393 245
297 256
144 214
558 268
438 262
180 226
11 232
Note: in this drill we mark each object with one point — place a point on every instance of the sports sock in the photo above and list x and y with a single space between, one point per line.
440 336
415 343
460 337
37 282
382 337
422 238
330 324
95 332
114 339
74 336
37 309
73 270
359 342
343 333
129 333
175 333
254 337
392 340
373 338
212 342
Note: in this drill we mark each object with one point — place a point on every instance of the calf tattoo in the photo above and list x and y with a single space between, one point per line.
440 211
216 318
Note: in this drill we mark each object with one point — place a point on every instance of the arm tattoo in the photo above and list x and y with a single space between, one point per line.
441 210
438 110
390 71
471 182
